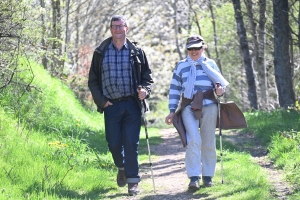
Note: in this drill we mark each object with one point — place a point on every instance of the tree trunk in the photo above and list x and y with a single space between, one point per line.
56 28
261 61
174 5
253 32
67 36
255 51
299 28
283 72
56 68
241 31
43 42
215 35
77 29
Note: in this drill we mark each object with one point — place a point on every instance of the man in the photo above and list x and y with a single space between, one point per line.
118 67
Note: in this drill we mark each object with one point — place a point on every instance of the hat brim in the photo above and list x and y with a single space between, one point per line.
196 45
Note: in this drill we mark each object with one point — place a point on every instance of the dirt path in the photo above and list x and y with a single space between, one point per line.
170 176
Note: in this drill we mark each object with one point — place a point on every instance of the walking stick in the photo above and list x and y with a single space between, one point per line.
220 133
146 132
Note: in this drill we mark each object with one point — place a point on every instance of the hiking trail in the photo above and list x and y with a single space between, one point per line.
169 170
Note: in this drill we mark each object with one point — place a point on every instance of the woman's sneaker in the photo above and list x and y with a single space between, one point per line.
194 183
207 181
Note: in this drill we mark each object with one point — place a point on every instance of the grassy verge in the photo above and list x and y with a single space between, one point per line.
279 130
243 179
51 146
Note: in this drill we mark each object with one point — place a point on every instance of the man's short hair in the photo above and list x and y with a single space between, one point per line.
119 18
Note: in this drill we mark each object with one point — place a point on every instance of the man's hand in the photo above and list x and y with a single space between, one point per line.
142 93
108 103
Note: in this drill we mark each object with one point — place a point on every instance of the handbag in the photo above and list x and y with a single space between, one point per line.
231 116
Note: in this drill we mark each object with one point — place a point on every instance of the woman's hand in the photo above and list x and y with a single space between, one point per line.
219 90
169 118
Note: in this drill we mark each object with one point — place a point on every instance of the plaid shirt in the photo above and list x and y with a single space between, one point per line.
117 76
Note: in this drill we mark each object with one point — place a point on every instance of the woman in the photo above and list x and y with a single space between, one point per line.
193 75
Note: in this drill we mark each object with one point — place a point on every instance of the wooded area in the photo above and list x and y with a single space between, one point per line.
254 42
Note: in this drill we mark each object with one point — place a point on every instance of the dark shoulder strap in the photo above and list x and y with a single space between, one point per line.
136 54
136 50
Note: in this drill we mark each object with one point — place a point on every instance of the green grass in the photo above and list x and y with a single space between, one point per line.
243 179
52 147
265 124
279 131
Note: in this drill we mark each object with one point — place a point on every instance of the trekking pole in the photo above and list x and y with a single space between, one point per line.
146 132
220 133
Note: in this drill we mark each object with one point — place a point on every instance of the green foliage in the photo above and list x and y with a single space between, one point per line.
285 147
50 107
52 139
285 152
265 124
279 131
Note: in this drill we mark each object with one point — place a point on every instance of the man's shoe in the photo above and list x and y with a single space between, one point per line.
207 181
194 183
133 189
121 179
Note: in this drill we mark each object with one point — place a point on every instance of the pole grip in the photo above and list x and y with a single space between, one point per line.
218 85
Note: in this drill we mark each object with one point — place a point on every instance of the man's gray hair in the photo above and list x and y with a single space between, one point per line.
119 18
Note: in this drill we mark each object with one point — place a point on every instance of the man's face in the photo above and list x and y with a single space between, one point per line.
118 29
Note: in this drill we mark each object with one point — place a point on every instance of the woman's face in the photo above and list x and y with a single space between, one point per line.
195 53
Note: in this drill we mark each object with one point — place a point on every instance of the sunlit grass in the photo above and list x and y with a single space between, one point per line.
242 179
279 130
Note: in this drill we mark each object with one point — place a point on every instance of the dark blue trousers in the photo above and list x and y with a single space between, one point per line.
122 130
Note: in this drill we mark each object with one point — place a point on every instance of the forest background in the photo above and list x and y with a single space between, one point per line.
54 146
254 42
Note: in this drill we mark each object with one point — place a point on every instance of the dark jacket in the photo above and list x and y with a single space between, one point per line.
141 73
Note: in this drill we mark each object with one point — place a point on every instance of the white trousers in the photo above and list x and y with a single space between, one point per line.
200 155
